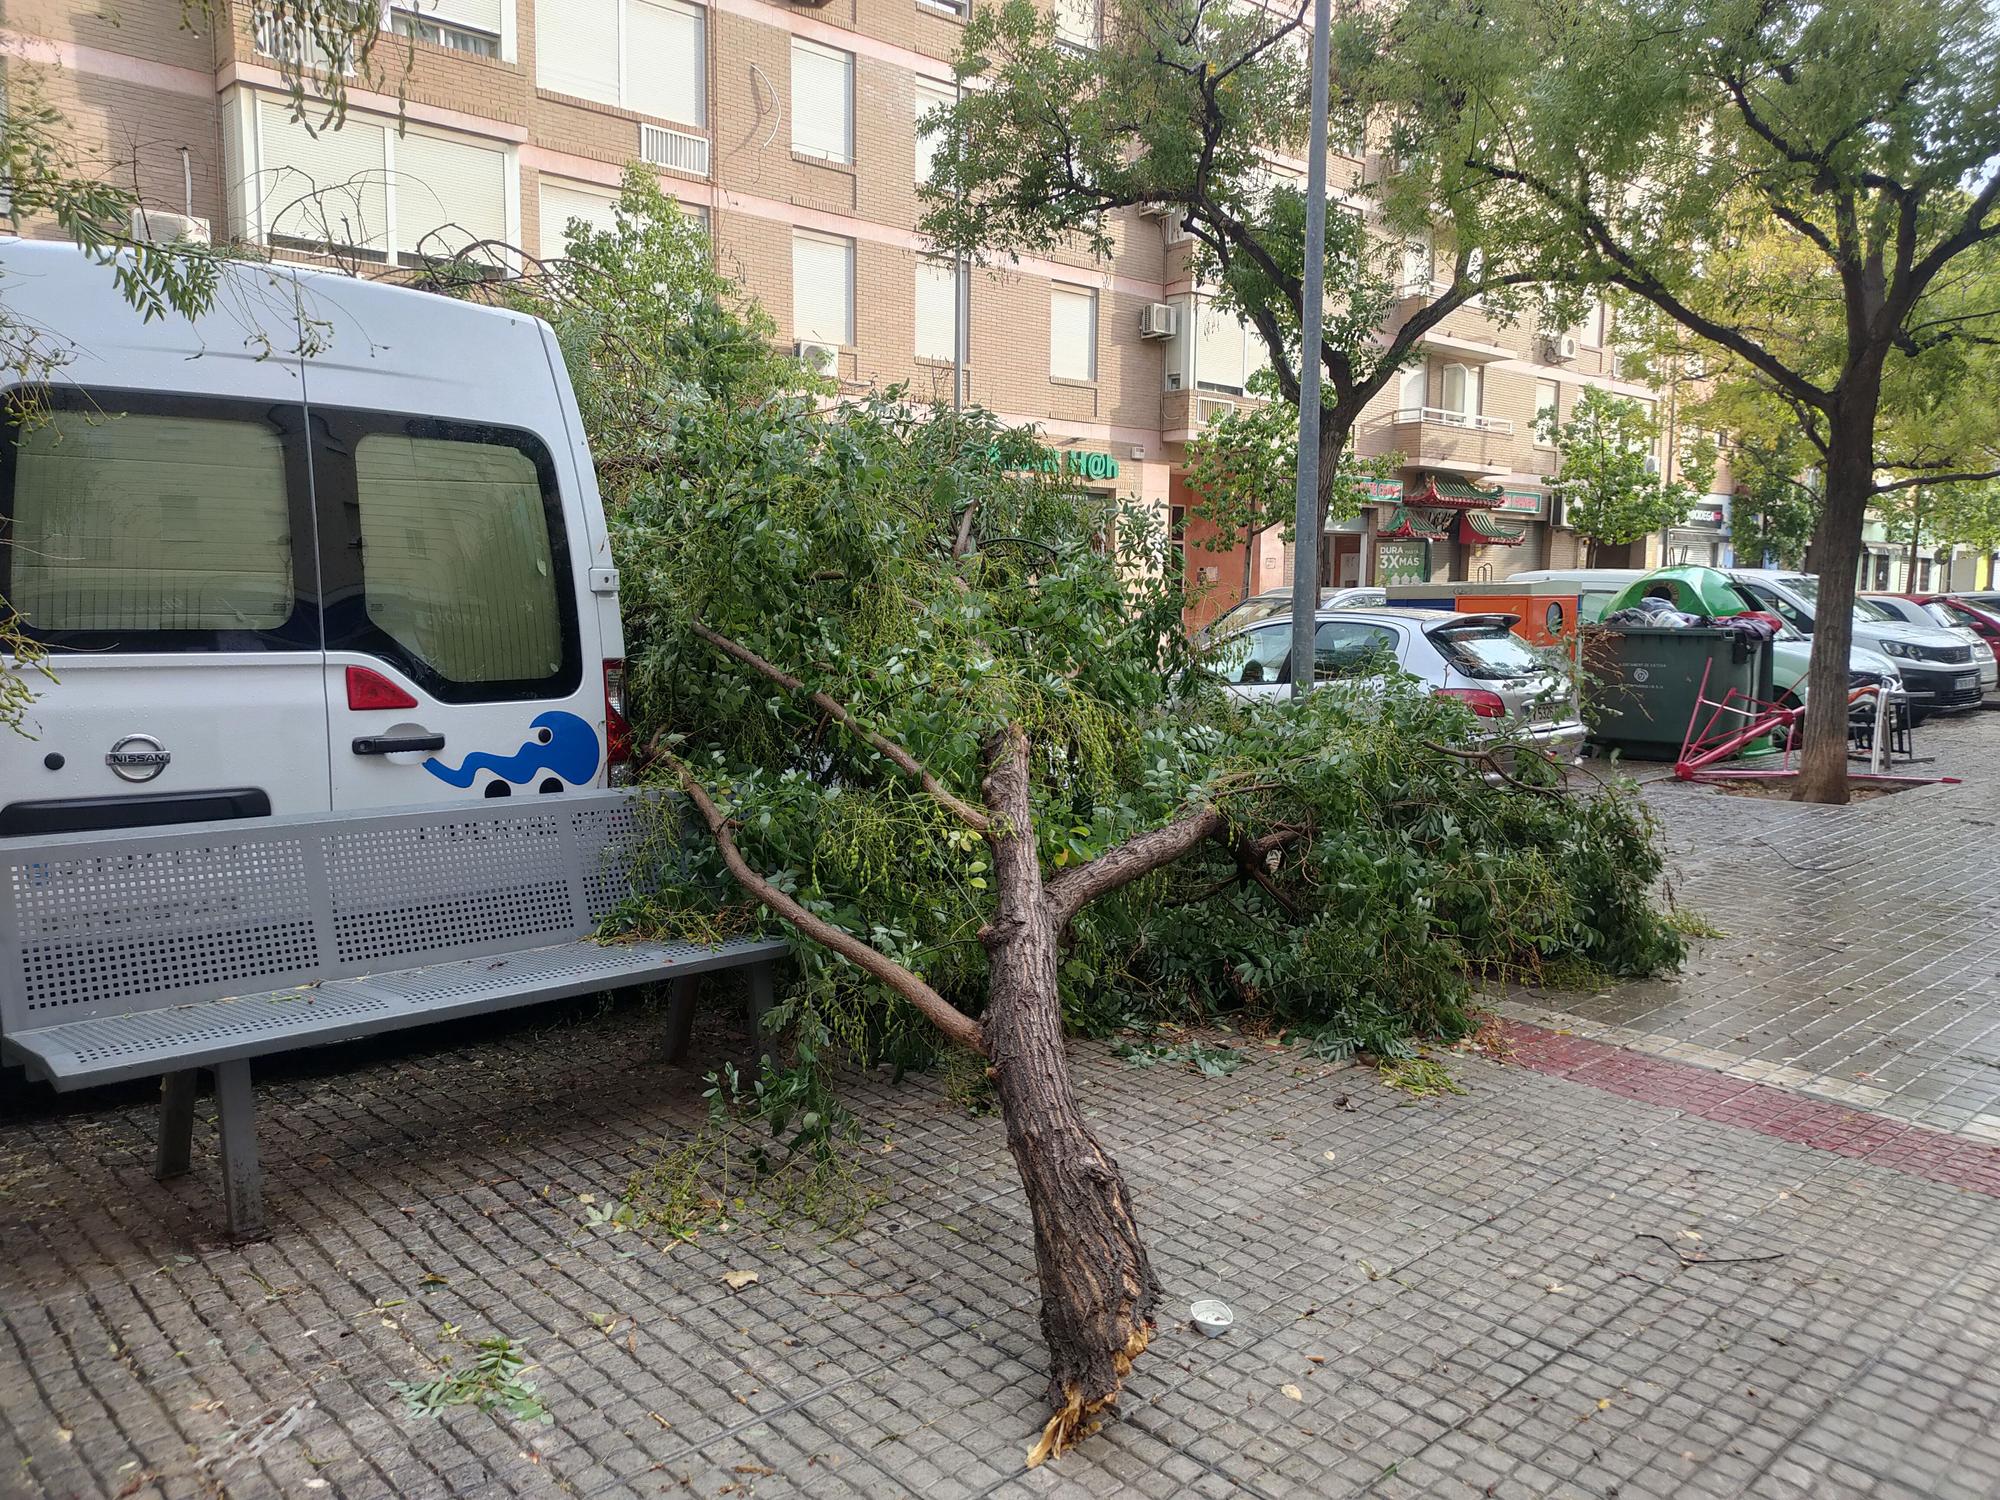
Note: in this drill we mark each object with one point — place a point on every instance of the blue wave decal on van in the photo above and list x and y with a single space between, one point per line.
569 751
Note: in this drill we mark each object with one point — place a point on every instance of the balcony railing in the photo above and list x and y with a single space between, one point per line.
1440 416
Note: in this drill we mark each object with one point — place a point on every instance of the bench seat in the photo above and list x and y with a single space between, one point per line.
108 1049
209 945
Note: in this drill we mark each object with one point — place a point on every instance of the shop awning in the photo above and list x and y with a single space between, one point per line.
1407 523
1438 489
1482 528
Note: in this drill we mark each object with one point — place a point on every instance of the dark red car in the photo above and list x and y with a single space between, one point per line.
1979 613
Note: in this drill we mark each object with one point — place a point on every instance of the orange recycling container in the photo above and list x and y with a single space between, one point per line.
1545 612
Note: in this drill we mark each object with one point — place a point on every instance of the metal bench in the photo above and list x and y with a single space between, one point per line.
207 945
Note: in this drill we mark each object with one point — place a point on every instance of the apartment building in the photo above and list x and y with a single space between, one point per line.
792 131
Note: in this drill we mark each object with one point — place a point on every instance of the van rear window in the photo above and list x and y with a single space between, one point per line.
455 554
131 522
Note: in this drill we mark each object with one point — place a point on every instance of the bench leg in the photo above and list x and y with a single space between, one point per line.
680 1018
242 1183
760 1006
176 1142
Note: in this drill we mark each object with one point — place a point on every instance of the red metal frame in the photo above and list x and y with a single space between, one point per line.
1738 719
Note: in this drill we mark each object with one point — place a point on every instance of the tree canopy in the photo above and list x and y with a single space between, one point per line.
1811 189
1609 476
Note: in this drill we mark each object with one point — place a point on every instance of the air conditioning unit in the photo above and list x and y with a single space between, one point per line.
1652 463
821 359
676 150
159 226
1206 411
1157 210
1558 347
1158 320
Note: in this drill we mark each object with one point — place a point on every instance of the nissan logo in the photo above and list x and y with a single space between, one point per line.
137 757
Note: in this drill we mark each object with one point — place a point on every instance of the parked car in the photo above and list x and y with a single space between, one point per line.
404 594
1939 674
1916 609
1982 619
1279 602
1791 652
1475 658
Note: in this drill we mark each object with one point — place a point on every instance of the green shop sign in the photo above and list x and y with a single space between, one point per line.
1072 461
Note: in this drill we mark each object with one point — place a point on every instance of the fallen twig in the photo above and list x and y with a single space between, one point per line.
1699 1258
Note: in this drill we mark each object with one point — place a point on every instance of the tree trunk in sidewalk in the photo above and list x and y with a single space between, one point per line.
1098 1289
1836 552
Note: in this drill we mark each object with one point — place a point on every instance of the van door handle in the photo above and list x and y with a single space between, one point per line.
391 744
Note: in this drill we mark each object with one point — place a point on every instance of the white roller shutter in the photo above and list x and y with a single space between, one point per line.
454 188
930 97
479 15
937 308
326 189
665 65
576 48
1218 349
822 101
1072 333
562 202
822 288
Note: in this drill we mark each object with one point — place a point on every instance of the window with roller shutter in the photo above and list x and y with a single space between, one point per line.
478 28
822 102
363 191
822 288
648 56
1072 333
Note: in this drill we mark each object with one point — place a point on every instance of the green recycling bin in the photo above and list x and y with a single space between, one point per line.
1640 682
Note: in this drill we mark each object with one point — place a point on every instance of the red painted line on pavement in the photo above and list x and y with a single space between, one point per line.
1879 1140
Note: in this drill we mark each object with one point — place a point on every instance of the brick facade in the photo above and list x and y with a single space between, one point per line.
148 94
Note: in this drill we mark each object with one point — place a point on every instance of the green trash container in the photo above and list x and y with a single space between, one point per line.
1641 682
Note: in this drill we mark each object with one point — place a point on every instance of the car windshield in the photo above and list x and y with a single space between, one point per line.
1486 651
1868 609
1804 585
1943 615
1249 612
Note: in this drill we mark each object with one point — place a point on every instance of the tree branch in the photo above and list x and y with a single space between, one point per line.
940 1012
1973 476
905 762
1138 856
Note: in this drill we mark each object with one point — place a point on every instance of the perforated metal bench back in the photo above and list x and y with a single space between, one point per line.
105 926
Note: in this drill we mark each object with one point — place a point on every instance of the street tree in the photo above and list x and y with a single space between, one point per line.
1608 473
1665 144
1190 105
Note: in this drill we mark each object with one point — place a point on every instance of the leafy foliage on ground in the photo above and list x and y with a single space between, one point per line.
925 569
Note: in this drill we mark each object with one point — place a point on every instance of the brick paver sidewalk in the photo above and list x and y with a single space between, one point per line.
1604 1270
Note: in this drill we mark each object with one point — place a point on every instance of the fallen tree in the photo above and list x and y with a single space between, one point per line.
936 711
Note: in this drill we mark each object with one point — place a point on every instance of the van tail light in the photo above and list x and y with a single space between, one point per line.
617 728
1486 704
367 688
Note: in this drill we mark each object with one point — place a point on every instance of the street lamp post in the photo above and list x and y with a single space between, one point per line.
1305 530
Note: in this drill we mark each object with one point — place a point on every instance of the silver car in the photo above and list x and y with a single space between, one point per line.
1475 658
1911 612
1279 602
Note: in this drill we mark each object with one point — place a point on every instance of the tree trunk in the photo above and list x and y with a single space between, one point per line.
1836 554
1098 1290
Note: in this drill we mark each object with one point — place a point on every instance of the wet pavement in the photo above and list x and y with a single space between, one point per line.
1659 1253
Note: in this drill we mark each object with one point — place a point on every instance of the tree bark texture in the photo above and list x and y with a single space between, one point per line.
1836 551
1097 1285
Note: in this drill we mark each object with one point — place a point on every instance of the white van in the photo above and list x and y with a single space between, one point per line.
331 545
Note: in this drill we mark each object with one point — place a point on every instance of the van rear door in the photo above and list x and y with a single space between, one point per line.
156 536
460 661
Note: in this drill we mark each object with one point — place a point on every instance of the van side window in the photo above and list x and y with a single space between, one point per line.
446 555
455 556
166 529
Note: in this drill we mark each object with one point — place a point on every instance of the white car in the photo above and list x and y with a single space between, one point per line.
1475 658
282 582
1911 612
